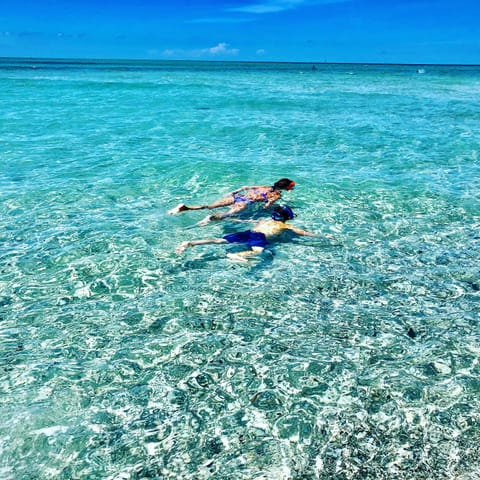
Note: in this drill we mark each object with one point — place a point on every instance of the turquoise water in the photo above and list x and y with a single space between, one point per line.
344 358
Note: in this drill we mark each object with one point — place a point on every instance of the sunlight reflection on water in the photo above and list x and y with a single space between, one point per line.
355 357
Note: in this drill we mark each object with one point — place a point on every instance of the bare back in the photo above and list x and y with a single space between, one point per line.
270 228
262 194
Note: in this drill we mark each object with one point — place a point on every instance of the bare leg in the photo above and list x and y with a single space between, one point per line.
183 208
243 256
183 246
235 208
224 202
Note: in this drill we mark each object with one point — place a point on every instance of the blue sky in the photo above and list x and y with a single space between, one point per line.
390 31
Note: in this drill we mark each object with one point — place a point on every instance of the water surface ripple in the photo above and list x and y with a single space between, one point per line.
355 357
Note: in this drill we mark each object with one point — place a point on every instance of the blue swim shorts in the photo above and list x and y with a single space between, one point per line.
252 239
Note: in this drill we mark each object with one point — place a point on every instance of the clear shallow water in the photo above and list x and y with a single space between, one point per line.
351 358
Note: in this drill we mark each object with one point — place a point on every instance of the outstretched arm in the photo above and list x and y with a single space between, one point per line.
304 233
271 197
269 203
301 232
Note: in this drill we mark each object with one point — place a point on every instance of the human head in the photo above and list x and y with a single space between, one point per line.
284 184
282 213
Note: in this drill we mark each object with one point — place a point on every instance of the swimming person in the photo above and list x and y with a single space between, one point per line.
256 238
239 199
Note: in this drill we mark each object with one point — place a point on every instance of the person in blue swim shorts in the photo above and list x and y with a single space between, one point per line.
257 238
239 199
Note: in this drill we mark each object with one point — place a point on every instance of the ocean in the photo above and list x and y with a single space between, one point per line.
354 355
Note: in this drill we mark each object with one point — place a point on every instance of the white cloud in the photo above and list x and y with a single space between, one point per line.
261 51
273 6
219 49
268 6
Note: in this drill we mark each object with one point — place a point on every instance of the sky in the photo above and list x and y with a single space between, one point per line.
377 31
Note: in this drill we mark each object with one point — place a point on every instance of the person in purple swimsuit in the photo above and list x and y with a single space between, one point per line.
239 199
257 238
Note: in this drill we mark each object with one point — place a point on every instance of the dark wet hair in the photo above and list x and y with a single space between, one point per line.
282 213
283 184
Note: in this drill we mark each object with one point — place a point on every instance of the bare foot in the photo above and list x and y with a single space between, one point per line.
205 221
236 258
182 247
179 208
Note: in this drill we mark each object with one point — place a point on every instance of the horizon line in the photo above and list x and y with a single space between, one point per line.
292 62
